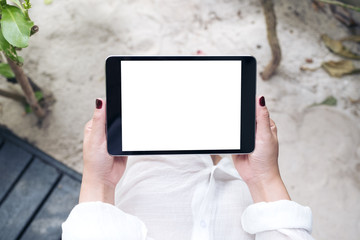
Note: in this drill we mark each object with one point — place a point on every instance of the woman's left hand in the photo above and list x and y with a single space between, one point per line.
260 169
101 171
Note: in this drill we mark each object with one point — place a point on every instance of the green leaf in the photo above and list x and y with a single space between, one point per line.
6 71
352 38
3 43
338 48
2 3
9 50
329 101
17 2
28 108
15 26
48 2
39 96
339 68
20 60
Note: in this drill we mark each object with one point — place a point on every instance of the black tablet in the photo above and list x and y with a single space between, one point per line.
180 104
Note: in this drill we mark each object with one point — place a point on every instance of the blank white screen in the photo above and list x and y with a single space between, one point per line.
180 105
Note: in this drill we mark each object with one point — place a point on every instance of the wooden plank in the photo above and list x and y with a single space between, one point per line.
26 197
47 223
11 137
12 162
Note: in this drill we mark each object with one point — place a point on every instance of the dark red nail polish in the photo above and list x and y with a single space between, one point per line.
262 101
98 103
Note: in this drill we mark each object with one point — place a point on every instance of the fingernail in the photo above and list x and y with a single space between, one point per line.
262 101
98 103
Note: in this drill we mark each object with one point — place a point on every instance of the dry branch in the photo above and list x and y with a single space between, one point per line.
13 96
270 19
341 4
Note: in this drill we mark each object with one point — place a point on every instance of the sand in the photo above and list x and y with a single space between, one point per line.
319 146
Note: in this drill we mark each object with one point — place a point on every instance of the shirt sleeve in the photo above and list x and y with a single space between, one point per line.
98 220
282 219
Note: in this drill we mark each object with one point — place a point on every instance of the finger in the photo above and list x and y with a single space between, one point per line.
273 127
239 157
87 128
262 117
122 159
99 120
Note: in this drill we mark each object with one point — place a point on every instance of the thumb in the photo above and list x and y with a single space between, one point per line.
99 120
262 118
273 127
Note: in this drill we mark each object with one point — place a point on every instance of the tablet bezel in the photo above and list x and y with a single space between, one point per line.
113 106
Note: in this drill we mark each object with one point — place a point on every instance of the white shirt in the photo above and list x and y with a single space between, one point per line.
186 197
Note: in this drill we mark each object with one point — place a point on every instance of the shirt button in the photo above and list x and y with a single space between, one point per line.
203 224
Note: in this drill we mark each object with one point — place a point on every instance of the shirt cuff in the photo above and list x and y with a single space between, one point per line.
99 220
267 216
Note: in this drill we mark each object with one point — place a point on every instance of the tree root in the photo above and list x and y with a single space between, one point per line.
270 19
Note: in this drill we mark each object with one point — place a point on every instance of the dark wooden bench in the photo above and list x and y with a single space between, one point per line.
37 192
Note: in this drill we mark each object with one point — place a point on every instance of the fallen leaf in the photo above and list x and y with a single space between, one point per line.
354 101
304 68
308 60
48 2
338 48
340 68
353 38
329 101
39 96
318 6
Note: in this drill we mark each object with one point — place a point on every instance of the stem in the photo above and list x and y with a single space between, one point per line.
270 19
34 86
26 87
344 5
13 96
2 55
